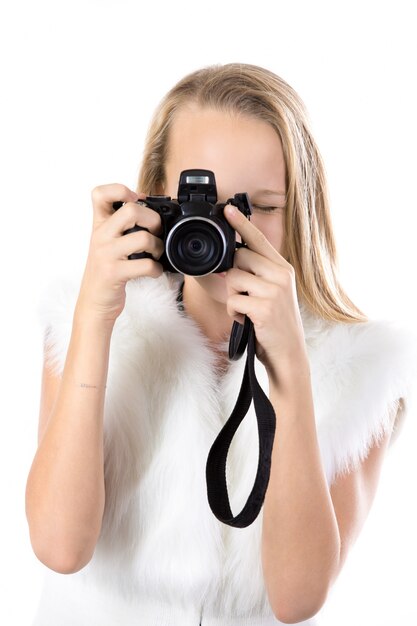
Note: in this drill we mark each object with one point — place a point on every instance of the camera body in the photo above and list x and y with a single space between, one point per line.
198 240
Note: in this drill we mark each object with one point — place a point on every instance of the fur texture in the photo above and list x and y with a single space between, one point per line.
163 558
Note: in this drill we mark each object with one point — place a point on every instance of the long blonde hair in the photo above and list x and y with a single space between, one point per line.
309 238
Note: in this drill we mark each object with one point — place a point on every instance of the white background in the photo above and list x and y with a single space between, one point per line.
79 81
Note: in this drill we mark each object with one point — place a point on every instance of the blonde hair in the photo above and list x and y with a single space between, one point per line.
257 92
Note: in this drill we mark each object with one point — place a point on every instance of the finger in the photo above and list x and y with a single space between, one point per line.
251 235
133 268
103 197
243 305
129 215
238 282
250 261
140 241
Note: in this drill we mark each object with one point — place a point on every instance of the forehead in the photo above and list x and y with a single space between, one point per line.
244 152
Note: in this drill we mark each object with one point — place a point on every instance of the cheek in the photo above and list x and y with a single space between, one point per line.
272 227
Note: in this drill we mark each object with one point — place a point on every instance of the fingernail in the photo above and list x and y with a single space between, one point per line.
231 210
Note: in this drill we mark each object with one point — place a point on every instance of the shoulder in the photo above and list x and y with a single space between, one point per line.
57 299
362 374
376 345
377 357
150 310
144 295
55 310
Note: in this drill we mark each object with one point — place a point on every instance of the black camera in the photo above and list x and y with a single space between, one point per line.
197 238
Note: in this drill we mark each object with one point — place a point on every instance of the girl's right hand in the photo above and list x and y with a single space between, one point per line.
102 292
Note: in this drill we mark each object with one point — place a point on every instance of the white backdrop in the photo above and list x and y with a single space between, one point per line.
79 81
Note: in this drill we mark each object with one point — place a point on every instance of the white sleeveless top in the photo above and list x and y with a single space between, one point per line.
163 559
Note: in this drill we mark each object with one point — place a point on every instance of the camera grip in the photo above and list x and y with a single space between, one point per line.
135 255
138 255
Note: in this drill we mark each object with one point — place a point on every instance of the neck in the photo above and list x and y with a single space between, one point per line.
209 314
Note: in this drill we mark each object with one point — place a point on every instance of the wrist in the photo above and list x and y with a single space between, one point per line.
87 317
289 372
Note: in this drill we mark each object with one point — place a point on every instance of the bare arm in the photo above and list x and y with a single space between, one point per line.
300 535
308 528
65 487
65 492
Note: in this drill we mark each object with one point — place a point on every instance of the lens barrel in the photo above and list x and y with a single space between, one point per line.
196 246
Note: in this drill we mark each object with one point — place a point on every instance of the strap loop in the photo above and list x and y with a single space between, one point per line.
216 460
242 336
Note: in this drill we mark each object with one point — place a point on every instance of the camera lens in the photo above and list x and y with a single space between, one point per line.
196 246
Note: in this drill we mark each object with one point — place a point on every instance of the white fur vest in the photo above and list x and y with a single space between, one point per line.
163 559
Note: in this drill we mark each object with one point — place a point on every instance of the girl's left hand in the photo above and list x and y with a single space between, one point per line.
271 302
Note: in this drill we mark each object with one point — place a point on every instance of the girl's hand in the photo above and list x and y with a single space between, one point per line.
108 268
271 302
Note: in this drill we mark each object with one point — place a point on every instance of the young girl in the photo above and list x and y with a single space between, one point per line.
137 385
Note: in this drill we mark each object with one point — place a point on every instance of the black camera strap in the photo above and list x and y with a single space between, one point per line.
241 336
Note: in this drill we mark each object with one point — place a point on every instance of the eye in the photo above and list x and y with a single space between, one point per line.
265 209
